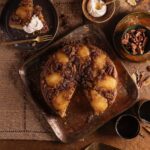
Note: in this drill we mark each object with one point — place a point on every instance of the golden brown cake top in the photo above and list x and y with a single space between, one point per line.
79 65
24 15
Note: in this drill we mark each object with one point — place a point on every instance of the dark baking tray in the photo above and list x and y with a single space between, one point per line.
79 121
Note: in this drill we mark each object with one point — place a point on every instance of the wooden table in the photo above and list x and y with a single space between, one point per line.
105 134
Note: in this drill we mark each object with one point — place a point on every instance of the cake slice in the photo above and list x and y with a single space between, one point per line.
29 18
98 102
61 101
22 15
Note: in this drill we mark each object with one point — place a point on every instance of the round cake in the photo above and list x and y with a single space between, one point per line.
79 65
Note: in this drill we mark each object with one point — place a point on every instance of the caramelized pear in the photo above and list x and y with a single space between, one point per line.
100 61
53 79
62 100
108 83
24 12
83 52
98 102
62 58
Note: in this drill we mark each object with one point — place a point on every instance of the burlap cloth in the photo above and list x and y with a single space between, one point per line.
18 119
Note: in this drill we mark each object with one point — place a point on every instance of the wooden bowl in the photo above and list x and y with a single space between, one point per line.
133 19
109 13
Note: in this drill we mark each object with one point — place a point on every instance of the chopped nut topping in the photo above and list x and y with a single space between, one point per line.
135 41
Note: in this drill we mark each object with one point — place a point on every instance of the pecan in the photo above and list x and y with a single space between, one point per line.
135 41
110 70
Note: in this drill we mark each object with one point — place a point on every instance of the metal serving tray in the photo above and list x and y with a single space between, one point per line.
80 120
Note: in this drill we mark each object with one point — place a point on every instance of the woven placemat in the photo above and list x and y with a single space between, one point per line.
19 119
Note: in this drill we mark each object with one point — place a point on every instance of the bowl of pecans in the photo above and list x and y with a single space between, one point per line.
136 40
131 37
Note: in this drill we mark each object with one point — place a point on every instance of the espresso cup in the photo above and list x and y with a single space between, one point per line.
127 126
143 111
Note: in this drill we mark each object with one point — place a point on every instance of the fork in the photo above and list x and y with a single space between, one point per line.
38 39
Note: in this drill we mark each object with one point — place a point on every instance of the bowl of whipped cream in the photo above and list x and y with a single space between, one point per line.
98 11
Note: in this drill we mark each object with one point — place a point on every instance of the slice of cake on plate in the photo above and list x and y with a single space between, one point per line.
28 18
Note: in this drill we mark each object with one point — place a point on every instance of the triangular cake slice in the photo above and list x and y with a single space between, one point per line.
22 16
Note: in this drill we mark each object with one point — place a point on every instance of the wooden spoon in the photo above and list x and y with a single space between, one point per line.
99 6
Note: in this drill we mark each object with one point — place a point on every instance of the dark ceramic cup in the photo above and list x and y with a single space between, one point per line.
127 126
143 111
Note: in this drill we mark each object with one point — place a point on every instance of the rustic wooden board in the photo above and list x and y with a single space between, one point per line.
71 9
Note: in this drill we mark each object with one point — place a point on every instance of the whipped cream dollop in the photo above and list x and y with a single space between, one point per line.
96 8
34 25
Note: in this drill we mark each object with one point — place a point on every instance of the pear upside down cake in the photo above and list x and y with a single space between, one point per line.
28 17
79 65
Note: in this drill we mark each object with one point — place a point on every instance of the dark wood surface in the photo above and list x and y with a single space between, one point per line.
105 134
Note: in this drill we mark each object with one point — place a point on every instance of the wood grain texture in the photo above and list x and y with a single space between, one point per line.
67 9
